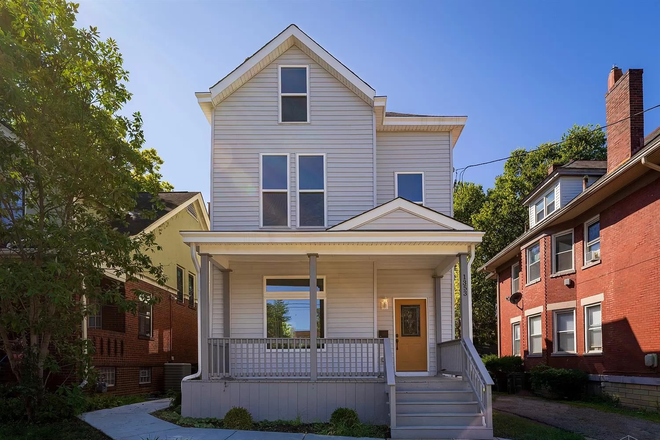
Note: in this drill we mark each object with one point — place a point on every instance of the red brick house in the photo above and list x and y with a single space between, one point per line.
132 350
581 288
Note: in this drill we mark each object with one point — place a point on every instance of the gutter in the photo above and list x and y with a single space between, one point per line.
644 161
198 269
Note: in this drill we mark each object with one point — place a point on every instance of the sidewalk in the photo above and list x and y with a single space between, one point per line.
591 423
133 422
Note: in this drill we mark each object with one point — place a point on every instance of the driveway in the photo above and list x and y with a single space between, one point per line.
134 422
589 422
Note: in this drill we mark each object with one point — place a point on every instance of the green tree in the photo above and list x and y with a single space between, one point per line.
277 319
502 216
76 165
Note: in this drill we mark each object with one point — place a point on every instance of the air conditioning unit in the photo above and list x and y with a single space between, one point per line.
594 255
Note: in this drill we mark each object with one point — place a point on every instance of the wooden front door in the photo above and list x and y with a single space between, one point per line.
410 327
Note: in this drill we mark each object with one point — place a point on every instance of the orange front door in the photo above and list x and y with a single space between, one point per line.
410 342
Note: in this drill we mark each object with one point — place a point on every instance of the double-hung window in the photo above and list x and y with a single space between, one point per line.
294 94
515 278
179 284
534 262
410 186
274 190
311 190
592 241
545 206
95 318
565 331
535 335
593 329
145 313
191 290
515 333
108 375
562 252
288 308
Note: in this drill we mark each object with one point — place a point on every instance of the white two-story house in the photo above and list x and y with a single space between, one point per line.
326 278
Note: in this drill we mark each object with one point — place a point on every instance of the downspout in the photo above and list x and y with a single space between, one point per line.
648 164
198 269
83 300
497 307
469 271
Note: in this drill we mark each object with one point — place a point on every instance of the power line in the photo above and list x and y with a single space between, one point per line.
459 173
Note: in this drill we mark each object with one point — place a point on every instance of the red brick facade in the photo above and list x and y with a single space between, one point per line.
628 277
174 339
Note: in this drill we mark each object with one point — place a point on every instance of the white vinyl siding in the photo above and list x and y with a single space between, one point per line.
247 124
349 296
427 152
570 187
401 220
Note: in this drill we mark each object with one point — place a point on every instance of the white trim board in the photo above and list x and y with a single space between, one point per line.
534 311
515 319
562 305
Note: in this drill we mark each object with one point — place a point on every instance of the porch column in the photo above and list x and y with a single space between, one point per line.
312 317
466 296
204 308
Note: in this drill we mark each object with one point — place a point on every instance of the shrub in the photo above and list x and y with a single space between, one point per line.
558 383
12 409
344 417
238 418
504 364
175 398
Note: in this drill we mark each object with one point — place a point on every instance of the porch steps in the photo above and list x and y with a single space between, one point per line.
438 408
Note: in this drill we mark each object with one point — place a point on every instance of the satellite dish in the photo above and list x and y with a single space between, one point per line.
515 298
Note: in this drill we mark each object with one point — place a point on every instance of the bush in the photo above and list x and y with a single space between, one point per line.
344 418
12 410
559 383
238 418
504 364
175 398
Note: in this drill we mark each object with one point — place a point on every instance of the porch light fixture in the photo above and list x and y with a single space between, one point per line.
384 303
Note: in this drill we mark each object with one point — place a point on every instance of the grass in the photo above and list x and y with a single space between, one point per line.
518 428
296 426
610 406
104 401
71 429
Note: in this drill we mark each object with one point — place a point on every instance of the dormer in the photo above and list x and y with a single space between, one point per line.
561 186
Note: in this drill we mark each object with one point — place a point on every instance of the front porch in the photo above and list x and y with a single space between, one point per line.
384 311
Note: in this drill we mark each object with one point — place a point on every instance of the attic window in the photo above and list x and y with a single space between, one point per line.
294 95
191 211
545 206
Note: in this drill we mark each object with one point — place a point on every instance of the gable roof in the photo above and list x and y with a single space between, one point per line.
290 36
573 168
370 219
142 218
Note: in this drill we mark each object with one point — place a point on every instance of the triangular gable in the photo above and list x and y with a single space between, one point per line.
290 36
197 201
401 215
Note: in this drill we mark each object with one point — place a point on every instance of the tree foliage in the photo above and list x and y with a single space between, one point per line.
76 165
500 214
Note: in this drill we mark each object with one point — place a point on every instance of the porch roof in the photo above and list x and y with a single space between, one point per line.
444 242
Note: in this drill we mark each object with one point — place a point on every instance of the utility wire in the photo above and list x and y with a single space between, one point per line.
459 173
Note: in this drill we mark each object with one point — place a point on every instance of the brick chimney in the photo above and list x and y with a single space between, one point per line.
624 98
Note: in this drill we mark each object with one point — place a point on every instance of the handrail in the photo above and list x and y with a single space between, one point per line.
476 374
391 380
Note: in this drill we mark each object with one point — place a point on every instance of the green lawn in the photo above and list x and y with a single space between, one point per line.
652 416
518 428
72 429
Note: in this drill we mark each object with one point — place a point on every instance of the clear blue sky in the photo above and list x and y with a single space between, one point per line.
523 72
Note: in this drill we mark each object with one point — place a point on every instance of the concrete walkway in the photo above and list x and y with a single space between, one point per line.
134 422
591 423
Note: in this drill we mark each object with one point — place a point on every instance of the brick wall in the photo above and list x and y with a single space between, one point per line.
174 338
628 276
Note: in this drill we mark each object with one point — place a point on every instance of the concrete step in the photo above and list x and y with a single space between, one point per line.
416 407
434 396
443 432
440 419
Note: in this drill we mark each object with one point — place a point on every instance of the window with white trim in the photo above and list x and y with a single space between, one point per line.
534 262
294 94
593 329
535 335
410 186
515 278
545 206
145 313
515 336
94 319
179 284
564 331
145 375
287 307
562 252
592 241
191 290
107 375
311 190
274 190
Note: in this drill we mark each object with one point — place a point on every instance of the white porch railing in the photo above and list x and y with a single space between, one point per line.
461 358
289 358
